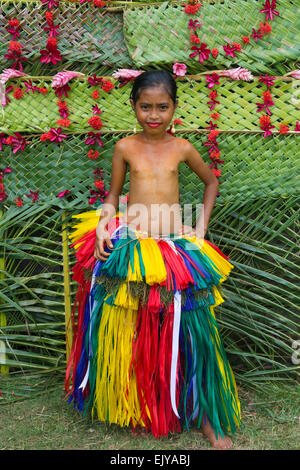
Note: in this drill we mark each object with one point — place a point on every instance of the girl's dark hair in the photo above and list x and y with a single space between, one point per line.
152 78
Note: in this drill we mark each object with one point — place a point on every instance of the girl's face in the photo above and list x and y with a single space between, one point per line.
154 106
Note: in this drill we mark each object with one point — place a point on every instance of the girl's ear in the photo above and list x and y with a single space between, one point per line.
132 103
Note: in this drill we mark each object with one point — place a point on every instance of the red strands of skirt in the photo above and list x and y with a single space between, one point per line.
152 346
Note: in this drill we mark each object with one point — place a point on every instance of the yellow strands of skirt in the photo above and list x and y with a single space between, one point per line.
155 271
223 265
232 392
116 397
217 296
89 221
125 299
135 276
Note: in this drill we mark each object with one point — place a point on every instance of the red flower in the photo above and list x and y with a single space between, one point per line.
95 122
18 201
297 128
178 121
194 38
61 104
14 22
283 128
43 90
265 125
107 85
93 154
14 27
45 136
265 28
99 3
246 39
3 193
215 115
215 52
191 9
216 172
63 122
215 155
49 16
99 184
15 46
18 93
237 45
95 94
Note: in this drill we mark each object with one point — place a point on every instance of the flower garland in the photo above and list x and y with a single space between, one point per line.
51 54
192 7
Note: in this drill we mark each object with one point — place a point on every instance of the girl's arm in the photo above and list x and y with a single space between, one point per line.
111 202
194 161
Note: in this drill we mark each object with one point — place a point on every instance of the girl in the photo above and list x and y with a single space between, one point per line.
147 350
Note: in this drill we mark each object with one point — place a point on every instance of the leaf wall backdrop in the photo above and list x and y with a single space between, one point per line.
65 78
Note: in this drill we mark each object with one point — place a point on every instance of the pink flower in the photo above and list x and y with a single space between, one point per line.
202 51
229 50
34 195
267 79
51 3
179 69
256 34
52 56
96 109
52 30
297 128
63 193
269 9
193 24
95 137
56 135
212 80
18 142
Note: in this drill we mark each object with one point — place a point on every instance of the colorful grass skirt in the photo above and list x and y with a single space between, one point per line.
146 348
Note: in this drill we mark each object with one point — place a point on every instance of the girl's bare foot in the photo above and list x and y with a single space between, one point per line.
220 443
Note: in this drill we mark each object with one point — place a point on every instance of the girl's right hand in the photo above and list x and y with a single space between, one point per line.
102 238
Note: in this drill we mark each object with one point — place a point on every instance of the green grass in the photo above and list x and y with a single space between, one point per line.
47 422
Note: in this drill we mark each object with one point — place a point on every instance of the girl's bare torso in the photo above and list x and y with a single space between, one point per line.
153 205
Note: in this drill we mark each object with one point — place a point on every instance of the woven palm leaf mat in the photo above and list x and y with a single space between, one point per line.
156 34
88 37
253 167
38 112
160 35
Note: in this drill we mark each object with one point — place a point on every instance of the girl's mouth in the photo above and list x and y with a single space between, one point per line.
153 124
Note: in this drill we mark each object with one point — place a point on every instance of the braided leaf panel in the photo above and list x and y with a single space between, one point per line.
159 35
38 112
253 167
87 36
